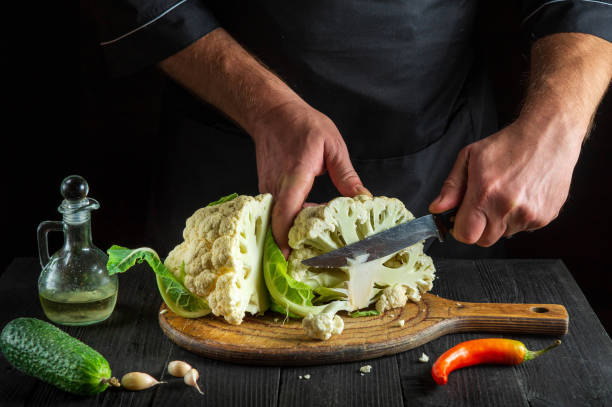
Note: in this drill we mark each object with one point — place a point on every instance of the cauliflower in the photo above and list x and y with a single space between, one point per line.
218 266
365 369
322 326
392 297
220 258
424 358
319 229
389 281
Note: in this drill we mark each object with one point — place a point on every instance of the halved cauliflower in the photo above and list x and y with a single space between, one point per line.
220 259
389 282
319 229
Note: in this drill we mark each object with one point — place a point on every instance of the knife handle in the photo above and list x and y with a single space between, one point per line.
445 222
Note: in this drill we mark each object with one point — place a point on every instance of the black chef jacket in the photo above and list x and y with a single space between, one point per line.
401 80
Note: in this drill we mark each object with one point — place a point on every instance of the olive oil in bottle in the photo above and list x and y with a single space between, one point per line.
74 286
79 307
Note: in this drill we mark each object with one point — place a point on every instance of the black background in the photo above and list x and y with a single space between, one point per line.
59 120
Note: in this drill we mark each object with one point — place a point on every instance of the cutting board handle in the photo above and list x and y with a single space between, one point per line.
544 319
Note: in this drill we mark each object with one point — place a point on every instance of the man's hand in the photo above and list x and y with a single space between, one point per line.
294 142
515 180
518 178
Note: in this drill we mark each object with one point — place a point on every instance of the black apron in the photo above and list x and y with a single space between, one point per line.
402 80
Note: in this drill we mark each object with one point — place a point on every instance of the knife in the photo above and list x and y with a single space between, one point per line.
388 241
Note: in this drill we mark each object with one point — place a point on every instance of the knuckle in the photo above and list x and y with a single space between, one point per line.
491 189
489 238
465 236
491 235
526 216
486 242
510 231
336 151
538 223
348 175
486 194
530 219
297 170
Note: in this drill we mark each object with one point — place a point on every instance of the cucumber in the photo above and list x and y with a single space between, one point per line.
39 349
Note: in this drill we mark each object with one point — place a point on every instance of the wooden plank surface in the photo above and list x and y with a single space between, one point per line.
131 341
474 386
576 373
580 373
343 385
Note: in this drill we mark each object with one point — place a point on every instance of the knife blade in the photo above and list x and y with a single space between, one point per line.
388 241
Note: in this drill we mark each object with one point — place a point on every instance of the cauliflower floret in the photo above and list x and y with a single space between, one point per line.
392 297
226 298
365 369
424 358
220 259
322 326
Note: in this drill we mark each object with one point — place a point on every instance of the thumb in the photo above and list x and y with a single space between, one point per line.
293 192
343 175
454 187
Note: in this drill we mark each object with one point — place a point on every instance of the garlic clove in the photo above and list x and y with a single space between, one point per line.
191 379
178 368
138 381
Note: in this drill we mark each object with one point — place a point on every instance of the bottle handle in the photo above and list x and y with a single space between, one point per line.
43 243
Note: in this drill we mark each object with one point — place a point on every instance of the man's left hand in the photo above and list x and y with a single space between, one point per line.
514 180
518 178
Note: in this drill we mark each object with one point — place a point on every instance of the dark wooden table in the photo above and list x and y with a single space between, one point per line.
578 373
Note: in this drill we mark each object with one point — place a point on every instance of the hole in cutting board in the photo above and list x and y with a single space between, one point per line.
540 310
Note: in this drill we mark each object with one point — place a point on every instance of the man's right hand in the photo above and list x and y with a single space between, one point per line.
294 144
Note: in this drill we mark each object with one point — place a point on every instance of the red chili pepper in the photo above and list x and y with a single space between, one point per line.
479 351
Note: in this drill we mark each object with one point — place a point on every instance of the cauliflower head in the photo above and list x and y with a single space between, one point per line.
220 257
392 280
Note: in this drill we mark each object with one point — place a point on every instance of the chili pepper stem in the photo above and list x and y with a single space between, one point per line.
534 354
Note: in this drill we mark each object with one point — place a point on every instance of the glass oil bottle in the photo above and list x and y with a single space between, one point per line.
74 286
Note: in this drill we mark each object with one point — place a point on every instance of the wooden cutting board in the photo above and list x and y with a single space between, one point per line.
269 340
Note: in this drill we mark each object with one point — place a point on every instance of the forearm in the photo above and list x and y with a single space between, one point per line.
518 178
221 72
568 78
